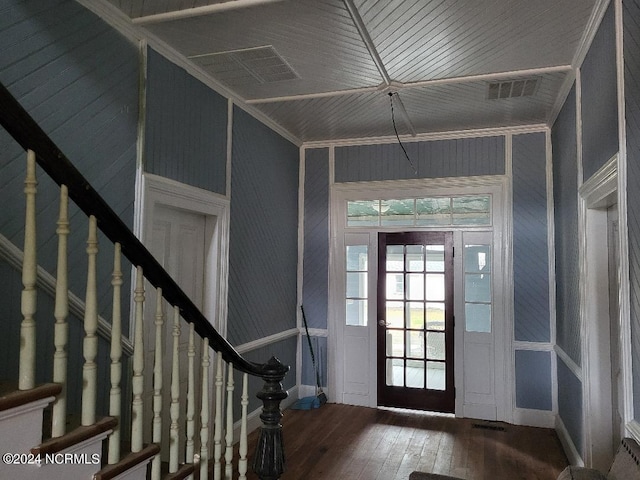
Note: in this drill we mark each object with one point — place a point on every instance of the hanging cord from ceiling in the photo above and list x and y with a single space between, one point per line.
393 120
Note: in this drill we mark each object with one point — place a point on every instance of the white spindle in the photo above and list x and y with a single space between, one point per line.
228 456
157 385
137 382
27 368
61 312
90 344
204 412
217 433
115 394
175 394
243 448
191 397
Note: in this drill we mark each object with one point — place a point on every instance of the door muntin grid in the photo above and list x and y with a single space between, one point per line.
415 313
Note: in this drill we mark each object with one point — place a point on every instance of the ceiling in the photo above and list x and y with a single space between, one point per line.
323 69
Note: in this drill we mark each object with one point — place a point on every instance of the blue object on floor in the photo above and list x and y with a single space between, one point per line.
306 403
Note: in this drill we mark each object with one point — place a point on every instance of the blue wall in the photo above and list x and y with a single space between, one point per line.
315 281
263 249
530 253
632 112
186 127
533 380
441 158
565 197
599 98
79 79
565 194
316 237
570 404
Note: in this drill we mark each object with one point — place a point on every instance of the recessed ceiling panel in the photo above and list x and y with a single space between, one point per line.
444 39
316 39
465 106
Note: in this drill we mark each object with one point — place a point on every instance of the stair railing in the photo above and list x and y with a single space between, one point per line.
269 456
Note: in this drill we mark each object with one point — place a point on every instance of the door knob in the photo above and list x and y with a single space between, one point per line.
383 323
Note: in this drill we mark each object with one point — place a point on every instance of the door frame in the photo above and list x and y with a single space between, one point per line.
498 187
448 394
596 195
162 191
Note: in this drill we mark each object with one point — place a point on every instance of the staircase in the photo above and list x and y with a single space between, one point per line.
189 436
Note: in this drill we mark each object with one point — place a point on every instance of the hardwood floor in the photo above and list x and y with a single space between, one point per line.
345 442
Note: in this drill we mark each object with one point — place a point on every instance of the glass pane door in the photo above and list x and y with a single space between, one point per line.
415 326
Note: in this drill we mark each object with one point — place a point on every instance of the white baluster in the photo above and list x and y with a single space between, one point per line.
137 382
243 449
228 456
61 312
175 394
90 344
115 394
217 432
157 385
204 412
191 398
27 368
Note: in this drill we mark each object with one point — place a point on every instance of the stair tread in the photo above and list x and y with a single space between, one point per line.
82 433
128 462
15 398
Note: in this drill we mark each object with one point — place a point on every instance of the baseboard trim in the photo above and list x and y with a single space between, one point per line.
570 449
534 418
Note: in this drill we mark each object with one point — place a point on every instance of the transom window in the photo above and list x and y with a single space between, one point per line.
429 211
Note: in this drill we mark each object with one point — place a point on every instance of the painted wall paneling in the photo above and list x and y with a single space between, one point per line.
186 127
531 273
263 247
566 229
599 98
433 159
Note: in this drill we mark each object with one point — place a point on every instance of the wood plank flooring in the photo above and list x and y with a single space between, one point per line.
344 442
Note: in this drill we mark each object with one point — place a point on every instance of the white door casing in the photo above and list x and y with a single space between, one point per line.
353 380
159 191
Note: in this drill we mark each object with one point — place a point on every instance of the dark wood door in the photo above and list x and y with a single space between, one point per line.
415 320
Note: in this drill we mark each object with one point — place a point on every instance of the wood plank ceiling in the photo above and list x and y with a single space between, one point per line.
323 69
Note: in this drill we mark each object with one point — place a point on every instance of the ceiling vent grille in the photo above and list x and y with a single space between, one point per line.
513 88
251 65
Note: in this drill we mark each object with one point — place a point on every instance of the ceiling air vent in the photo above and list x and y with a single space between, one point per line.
250 65
513 88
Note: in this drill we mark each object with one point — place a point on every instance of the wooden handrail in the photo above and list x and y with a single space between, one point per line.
24 129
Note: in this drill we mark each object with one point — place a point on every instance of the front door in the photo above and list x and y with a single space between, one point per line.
415 321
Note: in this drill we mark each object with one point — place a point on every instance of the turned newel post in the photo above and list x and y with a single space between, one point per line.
268 462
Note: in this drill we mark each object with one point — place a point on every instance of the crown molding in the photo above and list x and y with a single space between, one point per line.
425 137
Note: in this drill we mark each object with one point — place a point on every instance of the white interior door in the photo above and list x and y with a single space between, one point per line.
178 242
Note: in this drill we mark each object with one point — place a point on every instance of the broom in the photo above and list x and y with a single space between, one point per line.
307 403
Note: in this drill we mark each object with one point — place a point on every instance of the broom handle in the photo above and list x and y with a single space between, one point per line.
313 357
